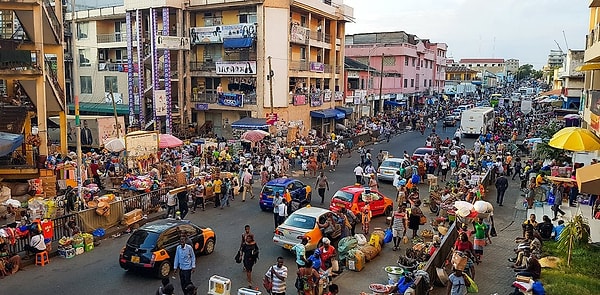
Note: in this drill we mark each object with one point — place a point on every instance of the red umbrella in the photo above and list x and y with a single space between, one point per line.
254 135
168 141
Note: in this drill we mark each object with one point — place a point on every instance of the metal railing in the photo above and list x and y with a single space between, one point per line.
299 65
53 75
19 60
112 37
320 36
203 66
54 22
204 97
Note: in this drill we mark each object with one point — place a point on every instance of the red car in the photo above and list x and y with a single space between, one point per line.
354 197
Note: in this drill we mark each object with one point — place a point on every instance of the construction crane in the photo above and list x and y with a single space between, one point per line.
561 51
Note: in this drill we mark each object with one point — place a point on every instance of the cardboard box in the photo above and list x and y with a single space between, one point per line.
132 217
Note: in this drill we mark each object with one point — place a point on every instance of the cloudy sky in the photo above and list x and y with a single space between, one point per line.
522 29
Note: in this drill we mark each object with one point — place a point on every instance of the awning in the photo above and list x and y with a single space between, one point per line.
328 113
90 108
9 142
551 92
250 123
347 111
394 103
588 67
230 43
588 179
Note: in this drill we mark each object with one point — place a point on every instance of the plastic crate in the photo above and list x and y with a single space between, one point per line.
89 247
246 291
79 250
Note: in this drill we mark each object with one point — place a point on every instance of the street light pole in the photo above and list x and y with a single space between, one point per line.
75 78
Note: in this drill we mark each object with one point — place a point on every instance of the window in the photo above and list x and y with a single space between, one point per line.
110 83
413 61
302 53
83 60
82 30
248 17
121 55
424 83
412 82
478 65
431 64
212 19
86 84
406 60
405 83
429 82
493 65
303 21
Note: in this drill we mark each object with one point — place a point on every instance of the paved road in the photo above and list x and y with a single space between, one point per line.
98 272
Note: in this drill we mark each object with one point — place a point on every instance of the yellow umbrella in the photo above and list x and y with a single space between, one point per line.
577 140
565 130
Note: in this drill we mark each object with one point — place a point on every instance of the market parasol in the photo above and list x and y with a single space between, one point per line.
588 179
168 141
254 135
115 145
575 139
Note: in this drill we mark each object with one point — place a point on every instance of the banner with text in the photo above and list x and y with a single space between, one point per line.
140 144
160 102
236 67
231 99
215 34
172 42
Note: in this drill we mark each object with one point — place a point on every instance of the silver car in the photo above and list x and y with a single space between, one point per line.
387 170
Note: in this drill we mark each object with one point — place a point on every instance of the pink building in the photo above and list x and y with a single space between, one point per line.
411 67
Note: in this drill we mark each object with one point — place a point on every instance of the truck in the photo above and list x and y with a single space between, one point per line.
476 121
95 130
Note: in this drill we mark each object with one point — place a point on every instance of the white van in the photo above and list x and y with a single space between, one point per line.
477 121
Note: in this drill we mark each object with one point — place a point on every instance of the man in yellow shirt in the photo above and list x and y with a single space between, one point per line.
217 184
540 182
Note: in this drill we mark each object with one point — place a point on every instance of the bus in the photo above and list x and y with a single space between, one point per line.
477 121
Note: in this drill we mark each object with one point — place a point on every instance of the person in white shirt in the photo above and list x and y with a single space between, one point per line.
277 274
277 200
358 172
36 244
282 210
171 204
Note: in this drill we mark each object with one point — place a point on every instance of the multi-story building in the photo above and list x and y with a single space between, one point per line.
571 80
31 82
410 66
511 66
556 58
218 66
591 97
493 65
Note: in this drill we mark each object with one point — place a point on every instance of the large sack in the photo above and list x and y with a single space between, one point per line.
345 245
17 188
369 251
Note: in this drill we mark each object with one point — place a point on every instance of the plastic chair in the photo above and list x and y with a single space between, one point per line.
42 258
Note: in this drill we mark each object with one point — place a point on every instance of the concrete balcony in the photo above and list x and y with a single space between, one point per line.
20 62
322 6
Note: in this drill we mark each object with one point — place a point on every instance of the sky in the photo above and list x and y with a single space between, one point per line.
521 29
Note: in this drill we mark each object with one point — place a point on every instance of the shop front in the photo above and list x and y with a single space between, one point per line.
323 121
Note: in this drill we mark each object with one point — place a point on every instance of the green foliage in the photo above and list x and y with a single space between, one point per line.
582 278
575 234
545 151
527 71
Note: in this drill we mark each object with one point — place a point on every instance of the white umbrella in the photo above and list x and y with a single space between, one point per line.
115 145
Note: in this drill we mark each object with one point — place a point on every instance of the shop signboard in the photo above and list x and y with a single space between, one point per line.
595 110
203 35
236 67
241 30
327 95
339 96
95 130
141 144
316 99
160 102
318 67
231 99
172 42
299 99
201 107
298 33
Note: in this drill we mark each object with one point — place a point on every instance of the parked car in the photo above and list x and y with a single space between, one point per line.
304 222
152 246
420 152
354 197
456 114
449 121
387 170
301 193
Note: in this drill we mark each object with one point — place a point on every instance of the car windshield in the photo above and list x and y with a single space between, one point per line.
142 239
344 196
301 221
270 190
422 151
391 164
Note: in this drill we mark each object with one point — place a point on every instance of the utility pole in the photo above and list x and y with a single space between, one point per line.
74 36
381 85
117 126
270 76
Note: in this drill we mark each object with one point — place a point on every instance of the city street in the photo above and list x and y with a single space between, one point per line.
98 272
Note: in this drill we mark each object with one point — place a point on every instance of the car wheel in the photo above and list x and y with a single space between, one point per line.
164 269
209 247
263 208
388 211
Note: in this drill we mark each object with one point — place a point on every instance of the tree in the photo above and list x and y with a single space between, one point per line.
575 234
545 151
527 71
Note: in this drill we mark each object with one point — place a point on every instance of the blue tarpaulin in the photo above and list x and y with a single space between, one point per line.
9 142
328 113
250 123
237 42
394 103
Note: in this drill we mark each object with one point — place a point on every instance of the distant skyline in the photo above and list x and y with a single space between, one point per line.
521 29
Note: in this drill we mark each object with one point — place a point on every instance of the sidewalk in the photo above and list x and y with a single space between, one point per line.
494 275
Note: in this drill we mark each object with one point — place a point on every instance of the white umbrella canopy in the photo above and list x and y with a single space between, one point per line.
115 145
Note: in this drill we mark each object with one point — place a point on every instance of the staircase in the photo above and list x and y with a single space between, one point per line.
52 79
206 128
55 23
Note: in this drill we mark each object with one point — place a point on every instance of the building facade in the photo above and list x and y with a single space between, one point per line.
571 80
590 103
32 82
493 65
207 65
408 66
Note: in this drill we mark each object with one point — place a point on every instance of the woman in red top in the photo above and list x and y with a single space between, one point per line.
463 244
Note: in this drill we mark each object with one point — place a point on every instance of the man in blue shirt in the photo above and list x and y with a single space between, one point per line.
558 229
185 262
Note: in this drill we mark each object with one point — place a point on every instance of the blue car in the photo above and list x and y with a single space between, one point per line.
301 193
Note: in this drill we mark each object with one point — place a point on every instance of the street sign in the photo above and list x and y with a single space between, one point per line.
271 118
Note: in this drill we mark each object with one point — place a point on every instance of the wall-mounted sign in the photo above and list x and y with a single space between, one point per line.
236 67
109 99
298 34
160 102
231 99
172 42
318 67
327 95
339 96
316 99
353 74
201 107
299 99
216 34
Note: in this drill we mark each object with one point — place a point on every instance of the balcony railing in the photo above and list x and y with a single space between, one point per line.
18 60
113 37
204 97
112 67
203 66
299 65
320 36
52 73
